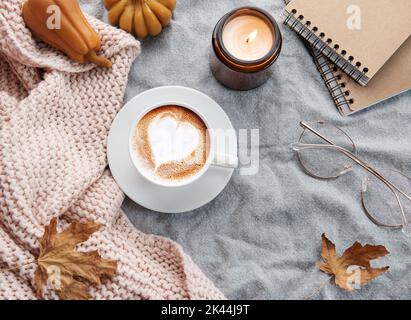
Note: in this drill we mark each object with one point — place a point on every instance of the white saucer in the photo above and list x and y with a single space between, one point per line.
134 185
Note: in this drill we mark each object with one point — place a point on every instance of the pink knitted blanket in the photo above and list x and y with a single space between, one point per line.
54 120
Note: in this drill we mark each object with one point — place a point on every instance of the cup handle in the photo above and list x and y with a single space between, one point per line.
225 160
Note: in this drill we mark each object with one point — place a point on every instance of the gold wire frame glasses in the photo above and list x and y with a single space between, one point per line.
327 152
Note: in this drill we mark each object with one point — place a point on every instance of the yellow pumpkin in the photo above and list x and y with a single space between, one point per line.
140 17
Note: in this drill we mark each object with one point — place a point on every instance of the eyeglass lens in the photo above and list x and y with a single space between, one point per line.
325 163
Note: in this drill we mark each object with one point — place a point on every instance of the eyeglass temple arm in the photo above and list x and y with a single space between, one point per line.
355 159
308 127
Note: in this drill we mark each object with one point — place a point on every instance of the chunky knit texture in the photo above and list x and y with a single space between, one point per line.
54 120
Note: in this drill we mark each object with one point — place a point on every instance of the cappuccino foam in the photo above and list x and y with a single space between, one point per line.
171 143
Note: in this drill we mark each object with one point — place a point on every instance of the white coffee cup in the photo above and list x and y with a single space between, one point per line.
214 158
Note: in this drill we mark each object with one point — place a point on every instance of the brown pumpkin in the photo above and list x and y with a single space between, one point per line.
72 34
140 17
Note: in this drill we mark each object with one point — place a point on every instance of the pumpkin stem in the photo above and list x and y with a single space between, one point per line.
98 60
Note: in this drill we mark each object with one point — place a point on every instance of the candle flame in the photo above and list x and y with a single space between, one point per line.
251 37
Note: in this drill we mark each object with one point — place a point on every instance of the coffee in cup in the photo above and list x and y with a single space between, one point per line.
170 144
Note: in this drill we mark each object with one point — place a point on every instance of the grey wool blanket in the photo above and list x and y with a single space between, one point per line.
260 238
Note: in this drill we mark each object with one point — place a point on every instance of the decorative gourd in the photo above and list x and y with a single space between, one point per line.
61 24
140 17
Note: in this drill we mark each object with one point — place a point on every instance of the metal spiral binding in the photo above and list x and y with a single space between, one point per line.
316 38
341 97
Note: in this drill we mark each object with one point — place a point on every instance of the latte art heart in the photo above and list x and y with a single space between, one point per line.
171 143
171 140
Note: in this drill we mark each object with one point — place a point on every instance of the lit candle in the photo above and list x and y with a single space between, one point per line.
248 37
246 43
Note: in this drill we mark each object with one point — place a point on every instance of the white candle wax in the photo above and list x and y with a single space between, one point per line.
248 37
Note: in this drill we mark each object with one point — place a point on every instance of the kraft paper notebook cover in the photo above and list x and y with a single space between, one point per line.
349 97
361 53
393 78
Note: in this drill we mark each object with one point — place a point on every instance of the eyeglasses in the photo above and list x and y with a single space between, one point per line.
327 152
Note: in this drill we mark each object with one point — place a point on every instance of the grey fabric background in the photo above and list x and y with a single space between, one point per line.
260 238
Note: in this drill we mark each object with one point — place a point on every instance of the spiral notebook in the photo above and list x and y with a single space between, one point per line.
359 49
393 79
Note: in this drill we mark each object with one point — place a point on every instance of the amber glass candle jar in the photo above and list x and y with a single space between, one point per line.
246 42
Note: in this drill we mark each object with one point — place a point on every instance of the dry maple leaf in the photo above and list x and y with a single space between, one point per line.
68 271
356 255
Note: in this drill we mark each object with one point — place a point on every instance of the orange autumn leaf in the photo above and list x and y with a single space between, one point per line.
341 267
67 271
